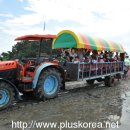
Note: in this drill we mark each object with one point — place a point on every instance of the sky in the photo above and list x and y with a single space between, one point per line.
107 19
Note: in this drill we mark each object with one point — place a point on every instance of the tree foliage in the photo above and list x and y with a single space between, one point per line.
27 49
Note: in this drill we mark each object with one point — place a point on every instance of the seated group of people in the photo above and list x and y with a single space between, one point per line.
85 55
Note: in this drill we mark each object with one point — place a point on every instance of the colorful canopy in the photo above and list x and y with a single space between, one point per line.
70 39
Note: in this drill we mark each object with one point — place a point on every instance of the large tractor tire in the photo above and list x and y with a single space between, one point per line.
109 81
6 95
49 84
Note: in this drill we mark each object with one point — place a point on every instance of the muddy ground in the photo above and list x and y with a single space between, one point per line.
86 104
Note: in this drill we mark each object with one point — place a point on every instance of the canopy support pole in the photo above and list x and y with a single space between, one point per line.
39 52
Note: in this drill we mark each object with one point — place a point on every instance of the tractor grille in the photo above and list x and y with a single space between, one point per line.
10 74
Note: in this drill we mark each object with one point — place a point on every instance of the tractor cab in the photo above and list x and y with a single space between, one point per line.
42 39
29 65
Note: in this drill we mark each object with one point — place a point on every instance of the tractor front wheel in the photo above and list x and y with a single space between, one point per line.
6 95
48 84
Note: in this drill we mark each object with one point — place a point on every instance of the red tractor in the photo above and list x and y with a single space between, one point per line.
43 79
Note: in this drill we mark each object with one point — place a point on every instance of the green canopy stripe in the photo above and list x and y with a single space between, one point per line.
65 40
106 44
92 43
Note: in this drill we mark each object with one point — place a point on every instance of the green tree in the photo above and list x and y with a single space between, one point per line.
28 49
5 56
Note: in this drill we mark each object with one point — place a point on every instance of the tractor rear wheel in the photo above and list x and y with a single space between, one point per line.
49 84
6 95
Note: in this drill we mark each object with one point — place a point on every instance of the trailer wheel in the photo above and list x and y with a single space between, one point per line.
99 79
109 81
49 84
90 82
6 95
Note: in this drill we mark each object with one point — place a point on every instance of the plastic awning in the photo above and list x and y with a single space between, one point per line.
70 39
36 37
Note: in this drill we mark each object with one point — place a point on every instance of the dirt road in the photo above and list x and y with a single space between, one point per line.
86 104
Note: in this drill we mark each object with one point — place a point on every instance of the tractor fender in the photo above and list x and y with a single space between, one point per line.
38 72
14 87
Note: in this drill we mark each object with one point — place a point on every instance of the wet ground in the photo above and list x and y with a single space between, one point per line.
86 104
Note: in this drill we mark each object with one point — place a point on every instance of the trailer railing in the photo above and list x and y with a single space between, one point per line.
83 70
97 70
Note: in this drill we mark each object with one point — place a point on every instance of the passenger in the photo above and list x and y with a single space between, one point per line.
87 59
94 61
89 56
80 55
119 58
76 59
94 58
116 54
110 56
72 53
101 59
60 58
115 59
95 52
68 59
83 60
84 52
122 56
106 56
99 56
65 53
86 56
